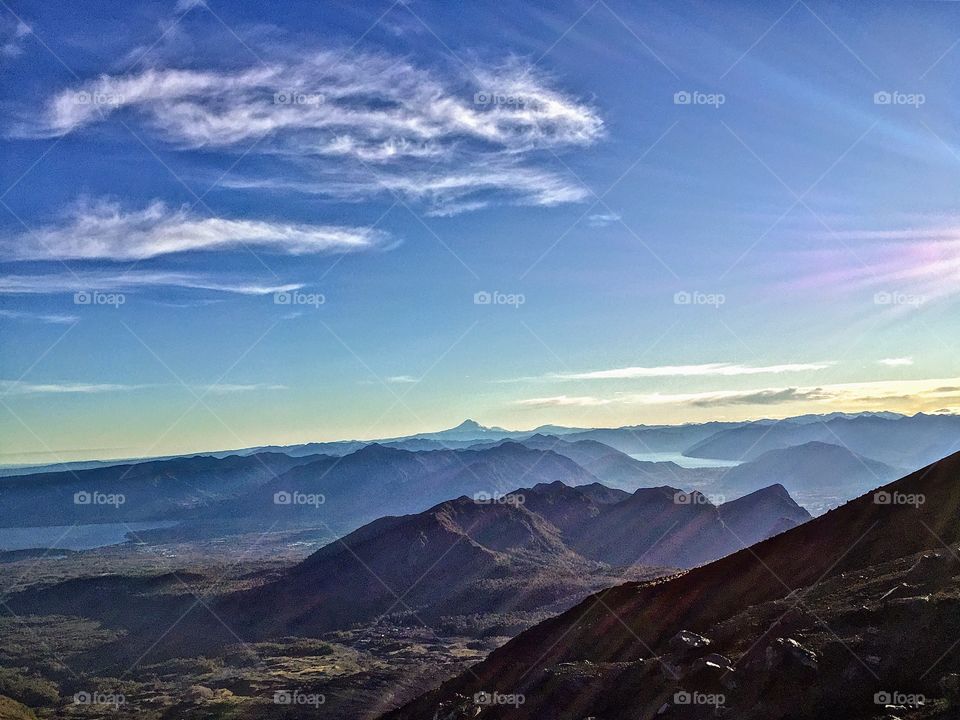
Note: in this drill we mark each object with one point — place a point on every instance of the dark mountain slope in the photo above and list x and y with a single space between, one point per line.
433 561
749 517
818 474
151 490
635 621
516 554
655 524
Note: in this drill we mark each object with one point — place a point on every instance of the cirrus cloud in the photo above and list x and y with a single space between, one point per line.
339 104
909 395
718 369
131 280
454 140
103 230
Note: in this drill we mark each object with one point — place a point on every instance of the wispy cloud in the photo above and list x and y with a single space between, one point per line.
442 136
759 397
896 362
565 401
373 106
401 379
911 395
117 281
16 387
660 371
602 219
233 389
52 319
445 191
102 230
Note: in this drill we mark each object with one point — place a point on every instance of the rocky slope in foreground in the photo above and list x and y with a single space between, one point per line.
853 615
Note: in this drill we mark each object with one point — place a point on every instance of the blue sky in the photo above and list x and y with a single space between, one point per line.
240 223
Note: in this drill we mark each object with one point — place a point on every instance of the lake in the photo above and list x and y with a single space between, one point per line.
75 537
683 461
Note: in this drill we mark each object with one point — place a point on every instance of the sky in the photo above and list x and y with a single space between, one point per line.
228 224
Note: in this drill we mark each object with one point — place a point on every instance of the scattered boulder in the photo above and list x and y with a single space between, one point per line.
717 659
200 693
687 645
787 655
711 673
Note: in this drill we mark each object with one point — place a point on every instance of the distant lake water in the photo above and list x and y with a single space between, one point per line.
79 537
682 461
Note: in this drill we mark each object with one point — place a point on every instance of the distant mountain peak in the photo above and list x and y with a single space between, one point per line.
469 424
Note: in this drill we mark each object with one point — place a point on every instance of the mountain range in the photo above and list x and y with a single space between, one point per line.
205 494
526 550
828 619
493 564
